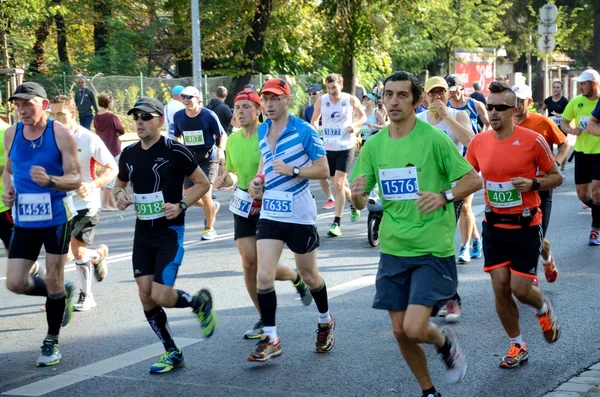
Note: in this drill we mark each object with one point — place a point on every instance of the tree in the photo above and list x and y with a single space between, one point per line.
596 47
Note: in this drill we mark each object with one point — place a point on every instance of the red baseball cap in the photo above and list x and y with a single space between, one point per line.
248 95
276 86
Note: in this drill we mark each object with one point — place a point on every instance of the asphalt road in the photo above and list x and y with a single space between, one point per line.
108 350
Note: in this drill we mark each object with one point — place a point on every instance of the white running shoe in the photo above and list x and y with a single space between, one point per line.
85 302
456 364
209 234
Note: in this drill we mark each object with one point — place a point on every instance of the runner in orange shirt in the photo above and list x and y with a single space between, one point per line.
509 158
554 136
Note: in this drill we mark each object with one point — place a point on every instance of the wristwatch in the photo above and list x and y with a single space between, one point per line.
183 206
50 183
535 184
295 172
448 195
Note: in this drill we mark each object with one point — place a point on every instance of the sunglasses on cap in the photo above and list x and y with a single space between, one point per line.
144 116
500 108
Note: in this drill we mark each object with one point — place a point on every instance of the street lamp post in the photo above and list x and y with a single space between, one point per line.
196 45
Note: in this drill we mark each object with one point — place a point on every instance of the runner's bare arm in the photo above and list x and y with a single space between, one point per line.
8 196
358 196
360 117
380 121
428 202
565 125
318 170
461 127
563 151
593 128
551 179
201 186
483 114
71 179
316 114
120 194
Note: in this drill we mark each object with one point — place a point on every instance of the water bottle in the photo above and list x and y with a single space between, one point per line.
526 213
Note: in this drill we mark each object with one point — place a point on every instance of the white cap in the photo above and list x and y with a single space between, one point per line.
588 75
522 91
192 91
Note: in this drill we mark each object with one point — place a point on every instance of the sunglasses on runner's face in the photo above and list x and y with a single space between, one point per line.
313 93
500 108
144 116
187 96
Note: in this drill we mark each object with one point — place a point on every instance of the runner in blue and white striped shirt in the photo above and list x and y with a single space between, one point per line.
292 153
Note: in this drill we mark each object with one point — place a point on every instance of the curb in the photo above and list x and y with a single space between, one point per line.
586 384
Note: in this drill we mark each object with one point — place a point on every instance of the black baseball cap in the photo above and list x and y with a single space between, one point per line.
454 82
315 88
147 104
29 90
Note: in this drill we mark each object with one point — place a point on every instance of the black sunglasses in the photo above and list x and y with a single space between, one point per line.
144 116
187 96
500 108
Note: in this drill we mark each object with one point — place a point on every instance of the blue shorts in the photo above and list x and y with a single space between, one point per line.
422 280
158 252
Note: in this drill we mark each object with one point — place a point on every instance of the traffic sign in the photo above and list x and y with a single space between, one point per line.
547 28
548 13
546 43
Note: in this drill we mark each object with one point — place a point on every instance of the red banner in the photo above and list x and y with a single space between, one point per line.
472 67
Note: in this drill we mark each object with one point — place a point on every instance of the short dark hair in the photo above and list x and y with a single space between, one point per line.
498 87
221 92
476 86
105 100
334 78
415 85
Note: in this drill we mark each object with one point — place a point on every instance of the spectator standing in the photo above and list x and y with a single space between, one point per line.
108 127
556 103
221 109
85 100
172 107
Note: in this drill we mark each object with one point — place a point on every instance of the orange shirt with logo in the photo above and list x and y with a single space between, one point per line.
521 155
545 127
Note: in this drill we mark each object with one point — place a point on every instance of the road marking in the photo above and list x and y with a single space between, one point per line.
77 375
350 286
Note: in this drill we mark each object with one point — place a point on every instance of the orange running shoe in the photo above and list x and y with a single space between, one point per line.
549 323
550 270
265 350
329 205
516 356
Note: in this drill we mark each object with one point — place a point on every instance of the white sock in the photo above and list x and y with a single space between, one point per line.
271 332
518 340
85 279
331 197
93 254
547 261
324 318
544 309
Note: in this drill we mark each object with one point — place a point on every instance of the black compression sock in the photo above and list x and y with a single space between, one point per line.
186 300
267 302
55 310
298 278
320 296
157 318
595 215
337 220
37 288
430 391
445 350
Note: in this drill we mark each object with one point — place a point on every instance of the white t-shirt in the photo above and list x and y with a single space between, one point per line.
444 126
171 108
92 151
336 118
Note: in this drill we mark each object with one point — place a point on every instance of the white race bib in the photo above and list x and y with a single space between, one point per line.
332 137
277 204
34 207
399 183
557 120
503 194
149 206
241 203
193 138
583 122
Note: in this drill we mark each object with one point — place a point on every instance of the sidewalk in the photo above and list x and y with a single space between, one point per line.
586 384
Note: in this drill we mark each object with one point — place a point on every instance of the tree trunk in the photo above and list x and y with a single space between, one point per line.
596 45
253 46
349 75
103 10
39 50
61 37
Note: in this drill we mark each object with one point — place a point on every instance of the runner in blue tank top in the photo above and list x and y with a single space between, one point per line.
468 228
42 160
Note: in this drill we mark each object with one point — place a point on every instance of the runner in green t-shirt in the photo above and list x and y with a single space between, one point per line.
243 162
414 165
587 148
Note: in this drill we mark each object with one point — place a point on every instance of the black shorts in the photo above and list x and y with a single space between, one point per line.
587 168
300 239
340 160
244 227
546 208
6 227
210 169
83 225
517 248
158 252
27 243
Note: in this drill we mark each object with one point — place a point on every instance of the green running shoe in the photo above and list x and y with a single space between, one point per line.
334 230
354 215
173 358
50 354
304 292
206 314
69 287
256 332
